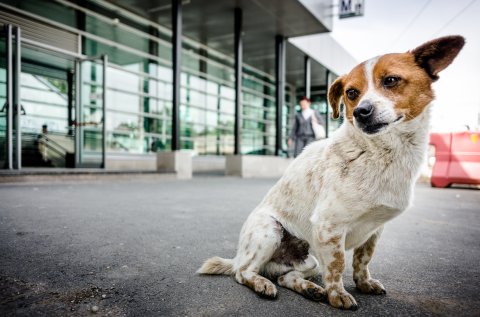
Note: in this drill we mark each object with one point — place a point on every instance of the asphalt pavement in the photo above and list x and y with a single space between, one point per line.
117 247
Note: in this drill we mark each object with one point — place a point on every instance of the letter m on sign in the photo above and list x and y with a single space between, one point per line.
351 8
345 6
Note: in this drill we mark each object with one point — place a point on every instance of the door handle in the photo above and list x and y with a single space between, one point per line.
22 111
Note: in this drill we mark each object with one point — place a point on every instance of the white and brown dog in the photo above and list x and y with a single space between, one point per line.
339 192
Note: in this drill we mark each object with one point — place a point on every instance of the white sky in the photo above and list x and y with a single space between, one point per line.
398 26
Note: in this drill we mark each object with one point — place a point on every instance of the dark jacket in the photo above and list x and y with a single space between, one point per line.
302 127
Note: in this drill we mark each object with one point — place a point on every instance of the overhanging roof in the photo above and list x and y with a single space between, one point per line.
212 23
295 69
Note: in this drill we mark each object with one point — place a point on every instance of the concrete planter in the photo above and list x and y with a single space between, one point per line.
256 166
178 162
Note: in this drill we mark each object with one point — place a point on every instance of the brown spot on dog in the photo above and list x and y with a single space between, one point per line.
338 264
334 240
261 285
244 267
409 138
362 256
329 278
333 287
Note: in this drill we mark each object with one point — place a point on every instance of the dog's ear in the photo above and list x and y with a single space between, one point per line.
436 55
335 93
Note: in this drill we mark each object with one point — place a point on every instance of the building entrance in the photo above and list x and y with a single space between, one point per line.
52 106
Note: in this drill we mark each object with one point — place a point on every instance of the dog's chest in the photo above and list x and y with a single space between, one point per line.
363 227
374 178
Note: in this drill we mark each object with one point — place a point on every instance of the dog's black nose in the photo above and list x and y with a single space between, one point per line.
363 112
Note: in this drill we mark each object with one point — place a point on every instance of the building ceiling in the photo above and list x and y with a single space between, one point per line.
295 69
212 23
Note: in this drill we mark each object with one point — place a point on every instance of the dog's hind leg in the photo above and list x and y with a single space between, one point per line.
293 264
296 279
259 239
258 283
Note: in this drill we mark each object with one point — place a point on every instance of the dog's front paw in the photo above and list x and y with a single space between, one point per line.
371 286
342 300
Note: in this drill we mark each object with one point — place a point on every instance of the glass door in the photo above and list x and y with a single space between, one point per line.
46 112
90 111
52 105
46 119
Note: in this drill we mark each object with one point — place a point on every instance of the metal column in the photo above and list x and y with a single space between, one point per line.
308 75
70 97
78 105
9 97
104 110
17 99
176 59
238 80
280 50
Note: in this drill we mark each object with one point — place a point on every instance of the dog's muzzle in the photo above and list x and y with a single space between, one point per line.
367 120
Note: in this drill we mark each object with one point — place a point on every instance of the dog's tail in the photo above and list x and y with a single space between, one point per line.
217 265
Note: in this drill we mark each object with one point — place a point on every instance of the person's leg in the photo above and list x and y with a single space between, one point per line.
299 145
309 140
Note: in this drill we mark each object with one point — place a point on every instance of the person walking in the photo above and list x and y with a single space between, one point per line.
307 127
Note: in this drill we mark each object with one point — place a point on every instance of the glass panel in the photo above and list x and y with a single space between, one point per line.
91 113
3 99
138 108
47 109
258 136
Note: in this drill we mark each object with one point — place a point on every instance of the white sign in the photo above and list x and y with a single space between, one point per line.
351 8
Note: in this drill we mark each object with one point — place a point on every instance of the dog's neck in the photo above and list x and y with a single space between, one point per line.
407 140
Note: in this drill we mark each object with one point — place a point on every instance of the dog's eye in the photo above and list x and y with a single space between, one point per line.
390 81
352 94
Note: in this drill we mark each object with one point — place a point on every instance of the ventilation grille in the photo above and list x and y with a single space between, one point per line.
40 32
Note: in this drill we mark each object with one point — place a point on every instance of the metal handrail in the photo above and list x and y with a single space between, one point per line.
59 158
52 142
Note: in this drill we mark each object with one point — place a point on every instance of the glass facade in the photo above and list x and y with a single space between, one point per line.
139 89
3 101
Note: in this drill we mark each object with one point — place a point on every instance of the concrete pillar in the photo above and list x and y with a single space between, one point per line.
307 74
179 162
